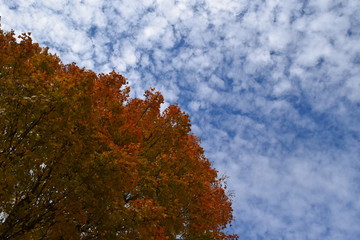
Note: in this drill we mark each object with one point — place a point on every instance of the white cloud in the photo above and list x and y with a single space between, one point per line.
217 82
155 28
279 38
128 54
55 5
352 88
282 87
194 106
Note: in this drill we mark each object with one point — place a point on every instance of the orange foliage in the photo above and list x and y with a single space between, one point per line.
80 159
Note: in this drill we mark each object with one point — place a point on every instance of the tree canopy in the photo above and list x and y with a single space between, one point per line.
80 159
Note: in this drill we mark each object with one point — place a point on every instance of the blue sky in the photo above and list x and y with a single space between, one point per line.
272 88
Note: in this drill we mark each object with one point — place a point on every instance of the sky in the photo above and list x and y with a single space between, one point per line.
272 88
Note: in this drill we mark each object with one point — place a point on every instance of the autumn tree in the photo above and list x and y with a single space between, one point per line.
80 159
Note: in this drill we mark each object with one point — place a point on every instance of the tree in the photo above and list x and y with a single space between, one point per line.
80 159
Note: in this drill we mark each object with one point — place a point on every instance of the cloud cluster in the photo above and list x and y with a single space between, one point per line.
272 87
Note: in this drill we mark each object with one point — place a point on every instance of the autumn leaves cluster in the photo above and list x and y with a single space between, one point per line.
80 159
